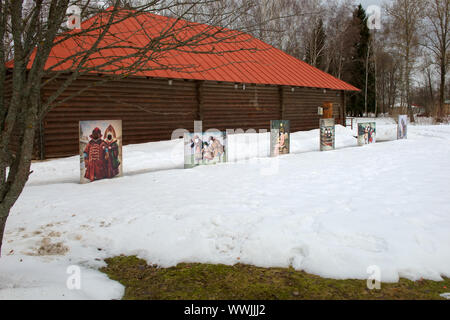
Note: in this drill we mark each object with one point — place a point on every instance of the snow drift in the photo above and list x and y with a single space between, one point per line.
332 213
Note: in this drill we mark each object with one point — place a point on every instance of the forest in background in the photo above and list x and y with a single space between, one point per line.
402 61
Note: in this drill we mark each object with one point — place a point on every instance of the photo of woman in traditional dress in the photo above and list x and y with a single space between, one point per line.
111 152
402 127
279 137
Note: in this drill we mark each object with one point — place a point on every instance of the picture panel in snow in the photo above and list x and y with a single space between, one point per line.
327 134
402 126
100 149
206 148
366 133
279 137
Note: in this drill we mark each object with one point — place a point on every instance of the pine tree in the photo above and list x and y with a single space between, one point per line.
361 61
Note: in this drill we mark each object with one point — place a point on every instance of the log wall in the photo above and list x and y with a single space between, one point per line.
151 109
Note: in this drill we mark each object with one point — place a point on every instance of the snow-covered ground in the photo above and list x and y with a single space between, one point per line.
332 213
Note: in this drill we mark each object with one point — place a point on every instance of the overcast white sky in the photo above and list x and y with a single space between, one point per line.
366 3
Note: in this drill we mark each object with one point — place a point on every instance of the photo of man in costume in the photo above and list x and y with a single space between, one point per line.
327 134
196 149
366 135
370 132
94 157
101 152
208 152
214 148
327 137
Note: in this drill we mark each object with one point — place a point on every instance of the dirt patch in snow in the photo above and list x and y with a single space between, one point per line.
48 248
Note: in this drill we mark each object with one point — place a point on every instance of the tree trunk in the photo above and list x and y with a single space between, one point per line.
430 89
367 79
20 168
376 83
442 93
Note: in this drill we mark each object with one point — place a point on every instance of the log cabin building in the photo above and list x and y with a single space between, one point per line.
237 89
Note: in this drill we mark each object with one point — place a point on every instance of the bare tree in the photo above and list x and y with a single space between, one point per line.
388 73
282 24
316 44
405 19
428 75
36 27
341 34
437 41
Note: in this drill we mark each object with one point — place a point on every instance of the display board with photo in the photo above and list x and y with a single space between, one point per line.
100 149
402 126
327 134
204 148
366 133
279 137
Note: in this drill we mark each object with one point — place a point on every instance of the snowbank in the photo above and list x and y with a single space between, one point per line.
333 213
28 277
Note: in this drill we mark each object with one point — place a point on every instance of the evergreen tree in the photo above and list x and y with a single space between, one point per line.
361 61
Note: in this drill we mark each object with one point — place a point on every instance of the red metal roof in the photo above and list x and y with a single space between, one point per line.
237 62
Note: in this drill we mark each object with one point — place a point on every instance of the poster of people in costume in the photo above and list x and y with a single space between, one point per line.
327 134
366 133
100 149
279 137
402 126
204 148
